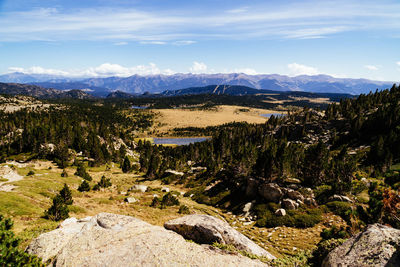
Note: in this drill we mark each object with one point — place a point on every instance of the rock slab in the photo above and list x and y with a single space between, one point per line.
205 229
116 240
377 245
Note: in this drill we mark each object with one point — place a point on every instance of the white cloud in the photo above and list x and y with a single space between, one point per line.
103 70
154 42
248 71
38 70
299 69
198 67
237 10
371 67
398 63
184 42
121 43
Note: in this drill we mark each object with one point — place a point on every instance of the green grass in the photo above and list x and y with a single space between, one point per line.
3 179
395 167
13 204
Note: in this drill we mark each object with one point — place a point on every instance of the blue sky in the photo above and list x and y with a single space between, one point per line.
103 38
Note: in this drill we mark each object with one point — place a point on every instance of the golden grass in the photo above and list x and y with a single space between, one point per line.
168 119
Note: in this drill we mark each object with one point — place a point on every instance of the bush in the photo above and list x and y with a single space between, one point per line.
169 200
183 209
323 249
322 193
10 254
293 218
96 187
84 187
58 211
334 232
30 173
64 173
156 202
343 209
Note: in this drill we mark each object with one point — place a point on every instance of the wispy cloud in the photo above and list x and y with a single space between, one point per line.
311 19
121 43
371 67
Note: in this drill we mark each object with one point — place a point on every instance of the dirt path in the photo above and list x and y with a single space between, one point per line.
11 175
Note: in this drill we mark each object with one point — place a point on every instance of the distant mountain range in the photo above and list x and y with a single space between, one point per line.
137 84
40 92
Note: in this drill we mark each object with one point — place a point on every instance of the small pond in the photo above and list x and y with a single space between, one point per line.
179 141
139 107
268 115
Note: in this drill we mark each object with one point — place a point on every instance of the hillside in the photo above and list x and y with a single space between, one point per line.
40 92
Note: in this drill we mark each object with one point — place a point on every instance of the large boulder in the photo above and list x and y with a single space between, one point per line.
377 245
205 229
271 192
290 204
116 240
251 188
295 195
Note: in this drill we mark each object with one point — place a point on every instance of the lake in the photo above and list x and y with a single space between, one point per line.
138 107
267 115
179 141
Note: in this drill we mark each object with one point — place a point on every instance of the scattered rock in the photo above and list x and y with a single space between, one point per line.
290 204
130 200
271 192
280 212
165 189
310 202
205 229
295 195
340 198
247 207
116 240
377 245
138 187
292 181
175 172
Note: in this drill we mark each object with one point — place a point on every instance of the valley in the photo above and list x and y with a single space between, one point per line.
292 183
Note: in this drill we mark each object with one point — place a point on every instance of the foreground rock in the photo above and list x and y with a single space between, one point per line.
205 229
116 240
375 246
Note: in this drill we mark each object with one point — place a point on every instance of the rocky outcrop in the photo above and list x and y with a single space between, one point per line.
377 245
271 192
205 229
116 240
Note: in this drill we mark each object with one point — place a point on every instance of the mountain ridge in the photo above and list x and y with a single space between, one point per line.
137 84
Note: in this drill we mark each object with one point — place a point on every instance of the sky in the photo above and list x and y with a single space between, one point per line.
99 38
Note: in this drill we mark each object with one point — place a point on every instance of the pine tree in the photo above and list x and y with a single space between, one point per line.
84 186
66 195
10 253
59 210
104 182
126 165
